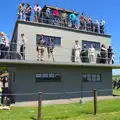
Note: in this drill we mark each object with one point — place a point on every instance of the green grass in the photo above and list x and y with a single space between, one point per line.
116 92
107 110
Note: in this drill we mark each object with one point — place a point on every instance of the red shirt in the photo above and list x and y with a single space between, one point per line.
56 13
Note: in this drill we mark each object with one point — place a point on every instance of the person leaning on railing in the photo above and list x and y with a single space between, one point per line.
82 21
64 16
47 16
73 19
56 16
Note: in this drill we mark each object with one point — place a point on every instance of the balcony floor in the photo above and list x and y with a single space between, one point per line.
11 63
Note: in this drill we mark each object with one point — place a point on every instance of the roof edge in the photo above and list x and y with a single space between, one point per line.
59 27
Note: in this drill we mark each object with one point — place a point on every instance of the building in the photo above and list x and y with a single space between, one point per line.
63 75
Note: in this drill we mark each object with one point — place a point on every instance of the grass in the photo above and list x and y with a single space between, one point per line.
107 110
116 92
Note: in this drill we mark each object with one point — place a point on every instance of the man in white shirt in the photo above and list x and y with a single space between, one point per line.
22 46
77 51
37 9
91 54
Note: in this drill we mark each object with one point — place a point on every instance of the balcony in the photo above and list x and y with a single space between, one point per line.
59 59
53 22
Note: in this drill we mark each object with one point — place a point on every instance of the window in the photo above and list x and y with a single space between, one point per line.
88 43
91 77
48 77
57 40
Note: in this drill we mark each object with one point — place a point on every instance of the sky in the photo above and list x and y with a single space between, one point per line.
97 9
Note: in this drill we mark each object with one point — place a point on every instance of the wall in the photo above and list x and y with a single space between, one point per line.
67 41
71 82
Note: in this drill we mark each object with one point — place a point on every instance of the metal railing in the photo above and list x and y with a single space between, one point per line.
59 54
67 22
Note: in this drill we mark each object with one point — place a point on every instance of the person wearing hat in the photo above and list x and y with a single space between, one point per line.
22 46
41 44
77 51
84 54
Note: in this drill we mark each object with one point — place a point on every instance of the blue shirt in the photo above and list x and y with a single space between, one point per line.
73 17
50 45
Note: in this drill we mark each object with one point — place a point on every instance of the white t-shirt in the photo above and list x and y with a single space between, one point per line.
36 8
92 50
77 49
102 23
23 41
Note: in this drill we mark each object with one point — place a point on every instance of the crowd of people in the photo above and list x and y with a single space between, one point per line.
4 45
57 17
88 55
79 54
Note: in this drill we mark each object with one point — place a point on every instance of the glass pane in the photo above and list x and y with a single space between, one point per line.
57 40
89 77
38 75
93 77
45 75
51 75
84 76
98 77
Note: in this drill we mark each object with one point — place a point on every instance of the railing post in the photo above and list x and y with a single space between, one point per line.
95 101
39 105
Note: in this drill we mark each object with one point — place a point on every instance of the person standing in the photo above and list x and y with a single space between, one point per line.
21 11
84 54
91 54
103 54
50 48
109 50
41 44
73 19
6 45
22 46
82 21
96 26
102 25
77 51
37 10
28 12
2 45
56 16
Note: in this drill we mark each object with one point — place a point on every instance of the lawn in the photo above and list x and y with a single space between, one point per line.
116 92
107 110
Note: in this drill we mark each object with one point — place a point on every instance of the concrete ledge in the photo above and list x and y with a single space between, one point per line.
7 63
57 27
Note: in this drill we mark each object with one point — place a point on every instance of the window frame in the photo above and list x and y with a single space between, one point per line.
91 42
47 79
56 44
95 80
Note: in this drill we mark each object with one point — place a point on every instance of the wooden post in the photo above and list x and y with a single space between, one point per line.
95 101
39 105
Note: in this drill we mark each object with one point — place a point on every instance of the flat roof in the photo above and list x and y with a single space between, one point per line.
57 27
11 63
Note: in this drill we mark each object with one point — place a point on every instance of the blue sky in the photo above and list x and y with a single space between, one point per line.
97 9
